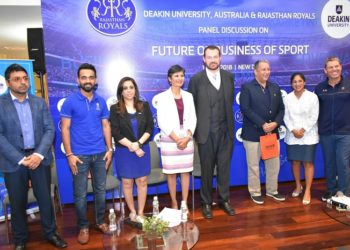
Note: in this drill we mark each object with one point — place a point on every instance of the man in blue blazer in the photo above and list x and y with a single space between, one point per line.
263 110
26 135
213 92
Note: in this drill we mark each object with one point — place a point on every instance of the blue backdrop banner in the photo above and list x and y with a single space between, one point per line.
142 39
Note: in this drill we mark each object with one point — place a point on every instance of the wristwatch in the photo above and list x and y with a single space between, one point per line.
140 144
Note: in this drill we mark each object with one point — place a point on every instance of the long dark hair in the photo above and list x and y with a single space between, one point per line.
138 104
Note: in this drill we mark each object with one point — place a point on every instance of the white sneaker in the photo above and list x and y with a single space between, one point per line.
277 197
339 194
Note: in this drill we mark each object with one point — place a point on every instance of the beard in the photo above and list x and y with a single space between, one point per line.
88 87
20 91
212 66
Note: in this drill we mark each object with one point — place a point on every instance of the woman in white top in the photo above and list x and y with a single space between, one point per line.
301 114
177 120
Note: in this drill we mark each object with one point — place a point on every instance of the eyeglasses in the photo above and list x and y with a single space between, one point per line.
84 78
19 79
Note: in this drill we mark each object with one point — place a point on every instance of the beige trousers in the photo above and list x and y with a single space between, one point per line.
272 167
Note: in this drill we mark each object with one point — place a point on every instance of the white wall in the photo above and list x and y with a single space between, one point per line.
15 18
20 2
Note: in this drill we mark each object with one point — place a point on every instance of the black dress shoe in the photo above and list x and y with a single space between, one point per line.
206 211
20 247
57 241
227 208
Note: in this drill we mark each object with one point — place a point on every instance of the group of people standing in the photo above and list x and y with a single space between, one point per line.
309 117
203 115
87 129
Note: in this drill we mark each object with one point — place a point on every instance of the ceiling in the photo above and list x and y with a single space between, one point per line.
15 18
20 2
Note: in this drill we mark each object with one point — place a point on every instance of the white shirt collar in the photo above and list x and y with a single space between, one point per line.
15 98
215 79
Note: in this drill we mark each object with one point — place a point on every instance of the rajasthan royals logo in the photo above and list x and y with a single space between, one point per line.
111 17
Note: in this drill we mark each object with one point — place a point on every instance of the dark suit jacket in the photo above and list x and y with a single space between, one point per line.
121 125
256 113
11 138
198 86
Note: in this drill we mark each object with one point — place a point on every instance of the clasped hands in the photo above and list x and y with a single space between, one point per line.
268 127
182 142
32 161
135 148
298 133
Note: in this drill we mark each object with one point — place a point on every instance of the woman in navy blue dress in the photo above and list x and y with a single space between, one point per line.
132 125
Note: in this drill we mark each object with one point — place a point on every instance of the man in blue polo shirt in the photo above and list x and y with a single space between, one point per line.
334 128
86 137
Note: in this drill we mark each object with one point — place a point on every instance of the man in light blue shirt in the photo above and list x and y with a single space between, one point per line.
26 135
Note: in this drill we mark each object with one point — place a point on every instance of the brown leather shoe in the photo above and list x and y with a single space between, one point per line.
103 228
83 236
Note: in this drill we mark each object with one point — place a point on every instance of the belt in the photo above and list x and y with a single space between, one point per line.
27 150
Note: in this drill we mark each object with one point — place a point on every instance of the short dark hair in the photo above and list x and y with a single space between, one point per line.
86 66
257 63
13 68
302 76
212 47
174 69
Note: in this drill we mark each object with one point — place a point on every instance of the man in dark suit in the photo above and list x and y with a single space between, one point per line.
213 92
263 110
26 135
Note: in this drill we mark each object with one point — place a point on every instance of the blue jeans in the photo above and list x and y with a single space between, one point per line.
336 154
96 165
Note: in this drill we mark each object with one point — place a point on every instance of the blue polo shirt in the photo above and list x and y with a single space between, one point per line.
334 118
86 134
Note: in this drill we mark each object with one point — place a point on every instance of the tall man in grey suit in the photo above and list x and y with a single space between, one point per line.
26 135
213 91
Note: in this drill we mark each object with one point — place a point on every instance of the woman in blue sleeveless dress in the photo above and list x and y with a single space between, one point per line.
132 125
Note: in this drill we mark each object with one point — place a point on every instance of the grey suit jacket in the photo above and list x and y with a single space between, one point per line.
198 86
11 138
